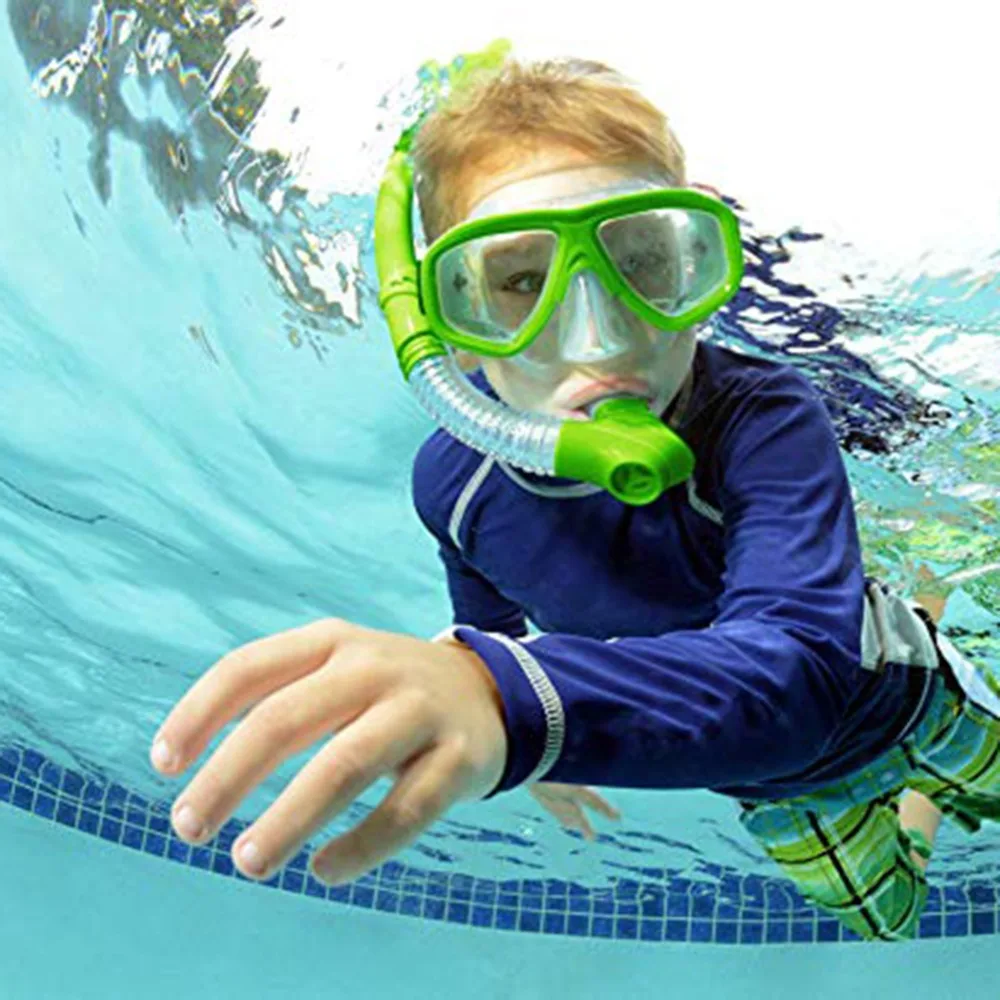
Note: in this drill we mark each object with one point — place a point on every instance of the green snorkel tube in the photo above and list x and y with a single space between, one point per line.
624 448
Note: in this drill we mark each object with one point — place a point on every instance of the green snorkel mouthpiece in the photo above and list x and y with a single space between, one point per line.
626 449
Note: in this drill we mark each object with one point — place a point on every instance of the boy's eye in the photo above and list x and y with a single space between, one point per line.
649 260
524 283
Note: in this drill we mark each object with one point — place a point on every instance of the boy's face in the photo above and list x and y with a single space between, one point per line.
597 347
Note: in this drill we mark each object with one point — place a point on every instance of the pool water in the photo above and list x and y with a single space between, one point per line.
206 440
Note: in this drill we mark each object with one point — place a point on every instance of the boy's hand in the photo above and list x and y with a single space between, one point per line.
566 803
427 712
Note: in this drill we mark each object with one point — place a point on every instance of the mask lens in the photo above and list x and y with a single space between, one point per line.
672 258
490 287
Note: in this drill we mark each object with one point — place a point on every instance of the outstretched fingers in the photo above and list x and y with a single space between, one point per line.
426 787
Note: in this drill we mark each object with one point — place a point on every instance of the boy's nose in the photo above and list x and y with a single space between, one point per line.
593 326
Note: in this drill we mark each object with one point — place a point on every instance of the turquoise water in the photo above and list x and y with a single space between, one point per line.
206 440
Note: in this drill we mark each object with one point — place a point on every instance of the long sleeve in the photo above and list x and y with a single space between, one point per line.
757 695
474 600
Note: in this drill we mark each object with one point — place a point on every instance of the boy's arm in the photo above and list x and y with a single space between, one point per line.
474 600
757 695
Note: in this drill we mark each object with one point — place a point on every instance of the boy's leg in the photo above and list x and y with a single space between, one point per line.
960 773
852 860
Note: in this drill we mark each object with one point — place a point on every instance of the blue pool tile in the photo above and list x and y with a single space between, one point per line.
362 896
8 762
508 898
984 923
982 896
89 821
23 797
222 863
6 789
703 906
727 911
161 824
651 930
827 930
201 857
955 899
554 923
778 897
410 905
657 905
803 930
135 816
387 902
156 844
555 888
751 932
956 924
292 879
72 784
45 806
50 775
300 863
93 794
604 904
67 813
727 931
530 921
578 925
603 927
678 930
436 887
485 893
458 913
627 888
777 931
932 925
111 829
133 838
626 928
460 894
702 930
177 850
434 908
31 761
482 916
506 919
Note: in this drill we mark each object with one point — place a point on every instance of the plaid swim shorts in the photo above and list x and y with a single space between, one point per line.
843 845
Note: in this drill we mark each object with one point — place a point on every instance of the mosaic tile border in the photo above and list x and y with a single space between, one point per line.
737 909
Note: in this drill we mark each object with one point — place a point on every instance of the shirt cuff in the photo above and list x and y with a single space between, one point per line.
533 710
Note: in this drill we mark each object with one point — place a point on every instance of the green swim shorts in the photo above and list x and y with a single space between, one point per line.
843 845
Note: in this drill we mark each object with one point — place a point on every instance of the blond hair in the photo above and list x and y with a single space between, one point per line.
583 105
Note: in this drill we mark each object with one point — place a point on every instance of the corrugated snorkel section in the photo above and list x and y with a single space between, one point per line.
527 441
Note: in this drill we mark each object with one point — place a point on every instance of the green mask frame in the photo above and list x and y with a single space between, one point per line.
579 248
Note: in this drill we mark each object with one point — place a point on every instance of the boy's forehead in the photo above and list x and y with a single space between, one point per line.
555 179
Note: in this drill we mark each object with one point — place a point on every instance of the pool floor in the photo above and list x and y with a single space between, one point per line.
84 918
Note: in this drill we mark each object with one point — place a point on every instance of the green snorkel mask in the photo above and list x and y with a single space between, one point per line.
624 448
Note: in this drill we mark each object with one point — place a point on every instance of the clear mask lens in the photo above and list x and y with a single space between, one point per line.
672 258
490 287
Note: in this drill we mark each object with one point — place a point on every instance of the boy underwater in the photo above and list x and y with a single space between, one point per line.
674 517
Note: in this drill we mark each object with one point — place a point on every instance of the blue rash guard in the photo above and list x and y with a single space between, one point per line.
712 639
